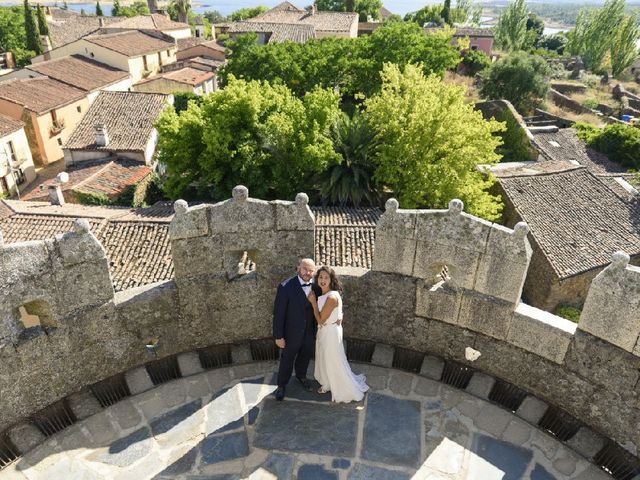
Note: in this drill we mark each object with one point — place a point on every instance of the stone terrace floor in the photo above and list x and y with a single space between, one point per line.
225 424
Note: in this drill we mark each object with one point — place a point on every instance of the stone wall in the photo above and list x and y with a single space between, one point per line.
442 283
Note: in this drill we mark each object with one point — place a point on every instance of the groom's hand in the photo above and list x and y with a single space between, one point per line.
280 342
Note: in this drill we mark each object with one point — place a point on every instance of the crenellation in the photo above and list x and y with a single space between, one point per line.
442 281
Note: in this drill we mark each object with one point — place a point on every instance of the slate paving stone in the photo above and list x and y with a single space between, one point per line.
306 427
127 450
253 415
165 422
342 463
315 472
539 473
182 465
392 431
279 465
220 448
509 458
224 476
367 472
294 390
231 426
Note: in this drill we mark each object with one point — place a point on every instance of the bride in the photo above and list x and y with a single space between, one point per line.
332 369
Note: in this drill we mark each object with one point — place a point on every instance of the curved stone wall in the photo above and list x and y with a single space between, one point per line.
444 287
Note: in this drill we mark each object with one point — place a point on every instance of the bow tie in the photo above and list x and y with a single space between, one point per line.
306 285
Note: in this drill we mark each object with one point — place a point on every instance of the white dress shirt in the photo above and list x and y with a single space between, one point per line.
305 289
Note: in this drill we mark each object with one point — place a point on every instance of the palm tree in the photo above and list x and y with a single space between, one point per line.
349 182
182 8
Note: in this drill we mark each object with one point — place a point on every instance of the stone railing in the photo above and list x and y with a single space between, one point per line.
443 285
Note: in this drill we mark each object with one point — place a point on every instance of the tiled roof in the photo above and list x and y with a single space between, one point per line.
154 21
69 29
188 75
40 94
201 62
565 145
110 177
186 43
131 43
473 32
137 240
139 252
321 21
279 32
127 116
577 221
80 72
9 125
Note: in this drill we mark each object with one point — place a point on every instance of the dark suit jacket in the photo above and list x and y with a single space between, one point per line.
292 312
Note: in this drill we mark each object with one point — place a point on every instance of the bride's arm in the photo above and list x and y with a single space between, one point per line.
327 308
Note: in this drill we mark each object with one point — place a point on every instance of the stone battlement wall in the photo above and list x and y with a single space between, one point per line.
443 283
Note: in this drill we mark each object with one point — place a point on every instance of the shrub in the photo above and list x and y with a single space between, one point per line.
515 146
475 61
621 143
590 103
569 312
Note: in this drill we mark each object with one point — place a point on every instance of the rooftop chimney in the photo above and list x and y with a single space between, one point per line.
314 9
55 195
45 41
101 21
102 138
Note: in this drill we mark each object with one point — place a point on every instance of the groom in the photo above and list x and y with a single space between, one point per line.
294 326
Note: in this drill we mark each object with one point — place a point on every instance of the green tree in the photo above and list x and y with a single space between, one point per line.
252 133
182 8
511 31
535 30
13 37
605 37
43 27
246 13
133 10
446 12
554 43
364 8
31 30
350 181
115 10
475 61
65 6
427 14
621 143
431 142
519 78
214 16
99 9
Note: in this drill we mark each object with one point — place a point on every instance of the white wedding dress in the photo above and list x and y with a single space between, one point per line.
332 369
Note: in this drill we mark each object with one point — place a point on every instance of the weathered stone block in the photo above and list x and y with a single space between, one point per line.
532 409
452 227
138 380
82 285
294 216
241 354
192 223
587 442
197 256
432 367
83 404
541 333
23 260
77 248
439 302
486 315
245 216
393 254
612 308
25 436
432 257
480 385
382 355
189 363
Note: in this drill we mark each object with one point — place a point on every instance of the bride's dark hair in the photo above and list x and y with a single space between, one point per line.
334 281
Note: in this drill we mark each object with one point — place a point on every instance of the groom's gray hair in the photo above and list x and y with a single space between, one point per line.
308 260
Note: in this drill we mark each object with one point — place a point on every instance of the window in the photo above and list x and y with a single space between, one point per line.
144 62
168 53
160 58
79 108
18 176
12 152
59 141
474 47
54 117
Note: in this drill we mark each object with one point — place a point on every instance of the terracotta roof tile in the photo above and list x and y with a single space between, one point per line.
131 43
154 21
9 125
187 75
80 72
22 228
321 21
40 94
127 116
575 218
114 178
279 32
69 29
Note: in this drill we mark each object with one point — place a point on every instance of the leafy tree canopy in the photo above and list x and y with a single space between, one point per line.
350 65
519 78
249 133
248 12
431 142
13 37
365 8
511 31
621 143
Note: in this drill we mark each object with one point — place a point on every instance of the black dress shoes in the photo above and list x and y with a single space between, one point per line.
280 394
306 384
